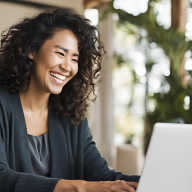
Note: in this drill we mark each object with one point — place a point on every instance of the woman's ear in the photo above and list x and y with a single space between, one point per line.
31 55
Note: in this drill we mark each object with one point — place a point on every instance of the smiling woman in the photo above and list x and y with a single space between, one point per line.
53 38
56 62
48 65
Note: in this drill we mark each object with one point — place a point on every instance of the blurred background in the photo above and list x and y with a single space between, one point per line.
146 74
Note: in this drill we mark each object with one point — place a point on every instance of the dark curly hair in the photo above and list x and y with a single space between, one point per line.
30 34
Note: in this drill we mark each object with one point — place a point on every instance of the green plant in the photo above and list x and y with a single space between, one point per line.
169 105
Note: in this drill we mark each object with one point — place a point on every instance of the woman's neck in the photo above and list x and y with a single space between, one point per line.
34 100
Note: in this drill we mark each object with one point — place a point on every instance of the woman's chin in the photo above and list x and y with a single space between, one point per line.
56 91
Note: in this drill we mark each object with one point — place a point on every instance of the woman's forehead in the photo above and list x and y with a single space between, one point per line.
64 40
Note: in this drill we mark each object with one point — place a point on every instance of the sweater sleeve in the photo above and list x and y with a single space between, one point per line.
96 167
12 181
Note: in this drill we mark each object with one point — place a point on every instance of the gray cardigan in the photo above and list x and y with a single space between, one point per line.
73 153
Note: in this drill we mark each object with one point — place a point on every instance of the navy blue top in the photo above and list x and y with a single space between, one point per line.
40 154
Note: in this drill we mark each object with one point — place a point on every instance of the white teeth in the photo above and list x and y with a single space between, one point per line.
58 80
61 77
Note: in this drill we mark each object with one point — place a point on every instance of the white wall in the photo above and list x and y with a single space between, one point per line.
75 4
10 13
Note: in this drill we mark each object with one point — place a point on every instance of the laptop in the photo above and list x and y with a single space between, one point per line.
168 163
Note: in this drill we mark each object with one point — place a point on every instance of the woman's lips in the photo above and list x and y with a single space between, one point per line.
57 81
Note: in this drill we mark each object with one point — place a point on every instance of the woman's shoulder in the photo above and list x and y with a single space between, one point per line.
6 97
4 92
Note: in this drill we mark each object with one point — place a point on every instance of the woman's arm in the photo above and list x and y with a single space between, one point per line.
96 167
87 186
97 175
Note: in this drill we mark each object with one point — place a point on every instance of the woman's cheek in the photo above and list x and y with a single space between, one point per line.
76 69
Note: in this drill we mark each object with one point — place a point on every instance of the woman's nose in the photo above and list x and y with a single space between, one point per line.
66 65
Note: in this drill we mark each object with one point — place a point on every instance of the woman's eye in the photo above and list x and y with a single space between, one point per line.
60 53
75 60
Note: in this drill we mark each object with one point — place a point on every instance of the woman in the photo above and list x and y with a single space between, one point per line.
48 65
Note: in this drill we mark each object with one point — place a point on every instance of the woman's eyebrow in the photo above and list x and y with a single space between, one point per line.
66 50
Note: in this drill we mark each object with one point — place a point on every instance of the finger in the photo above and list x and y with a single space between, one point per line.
133 184
130 189
126 187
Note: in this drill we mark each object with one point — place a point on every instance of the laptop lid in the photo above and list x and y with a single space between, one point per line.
168 163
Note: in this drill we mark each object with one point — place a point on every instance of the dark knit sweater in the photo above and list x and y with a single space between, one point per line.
73 153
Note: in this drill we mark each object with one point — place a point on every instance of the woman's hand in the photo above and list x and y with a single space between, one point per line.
101 186
109 186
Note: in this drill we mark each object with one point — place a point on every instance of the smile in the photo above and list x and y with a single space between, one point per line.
59 79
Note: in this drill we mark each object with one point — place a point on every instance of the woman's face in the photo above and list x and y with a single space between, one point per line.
56 63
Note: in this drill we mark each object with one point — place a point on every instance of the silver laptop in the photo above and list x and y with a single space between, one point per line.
168 164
